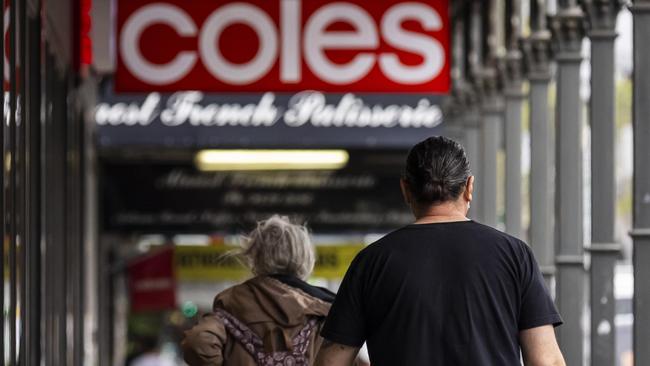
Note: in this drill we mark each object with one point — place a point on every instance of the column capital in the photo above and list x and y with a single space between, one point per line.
466 103
489 86
601 17
537 55
513 73
568 29
452 109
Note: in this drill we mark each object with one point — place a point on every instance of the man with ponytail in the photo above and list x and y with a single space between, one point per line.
445 290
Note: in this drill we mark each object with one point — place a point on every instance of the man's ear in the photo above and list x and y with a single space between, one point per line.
469 189
406 194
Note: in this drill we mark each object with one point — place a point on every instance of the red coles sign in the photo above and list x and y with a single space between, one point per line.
283 45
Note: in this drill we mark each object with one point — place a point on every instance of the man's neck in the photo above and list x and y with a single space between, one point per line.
446 212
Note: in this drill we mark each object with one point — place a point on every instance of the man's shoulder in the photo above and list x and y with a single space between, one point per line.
383 244
486 235
505 243
498 235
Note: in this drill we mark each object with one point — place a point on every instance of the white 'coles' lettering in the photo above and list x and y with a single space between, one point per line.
284 41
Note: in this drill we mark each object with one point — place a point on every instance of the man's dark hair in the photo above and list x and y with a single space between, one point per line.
437 170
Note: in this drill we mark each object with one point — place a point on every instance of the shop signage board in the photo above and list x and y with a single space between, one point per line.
204 263
197 120
385 46
332 261
279 73
152 281
172 198
212 263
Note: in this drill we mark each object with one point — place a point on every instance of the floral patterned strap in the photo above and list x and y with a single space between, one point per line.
302 339
255 347
243 334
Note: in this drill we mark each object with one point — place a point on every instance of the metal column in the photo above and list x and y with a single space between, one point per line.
474 30
492 108
641 230
465 102
568 32
604 251
514 98
470 119
491 128
473 138
537 56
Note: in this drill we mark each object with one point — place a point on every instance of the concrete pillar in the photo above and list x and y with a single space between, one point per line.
641 225
537 57
604 251
568 32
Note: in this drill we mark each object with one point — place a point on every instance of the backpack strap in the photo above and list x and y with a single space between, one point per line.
302 340
255 346
242 333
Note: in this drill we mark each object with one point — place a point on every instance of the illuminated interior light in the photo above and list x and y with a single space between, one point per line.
231 160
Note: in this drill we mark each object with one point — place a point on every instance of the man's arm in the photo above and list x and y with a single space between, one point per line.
540 348
334 354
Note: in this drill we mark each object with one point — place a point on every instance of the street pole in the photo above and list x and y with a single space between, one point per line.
604 250
537 57
568 32
641 225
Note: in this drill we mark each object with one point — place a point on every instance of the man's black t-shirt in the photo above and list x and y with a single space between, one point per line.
442 294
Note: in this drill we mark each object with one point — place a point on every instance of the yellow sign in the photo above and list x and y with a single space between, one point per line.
200 263
196 263
332 261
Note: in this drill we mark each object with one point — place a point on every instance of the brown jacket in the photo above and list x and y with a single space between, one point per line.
273 310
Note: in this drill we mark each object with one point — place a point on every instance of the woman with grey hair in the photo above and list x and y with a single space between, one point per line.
273 318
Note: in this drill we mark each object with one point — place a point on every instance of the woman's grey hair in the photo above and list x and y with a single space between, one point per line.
278 246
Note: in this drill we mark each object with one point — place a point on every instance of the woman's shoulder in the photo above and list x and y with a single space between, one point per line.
279 292
296 284
225 298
